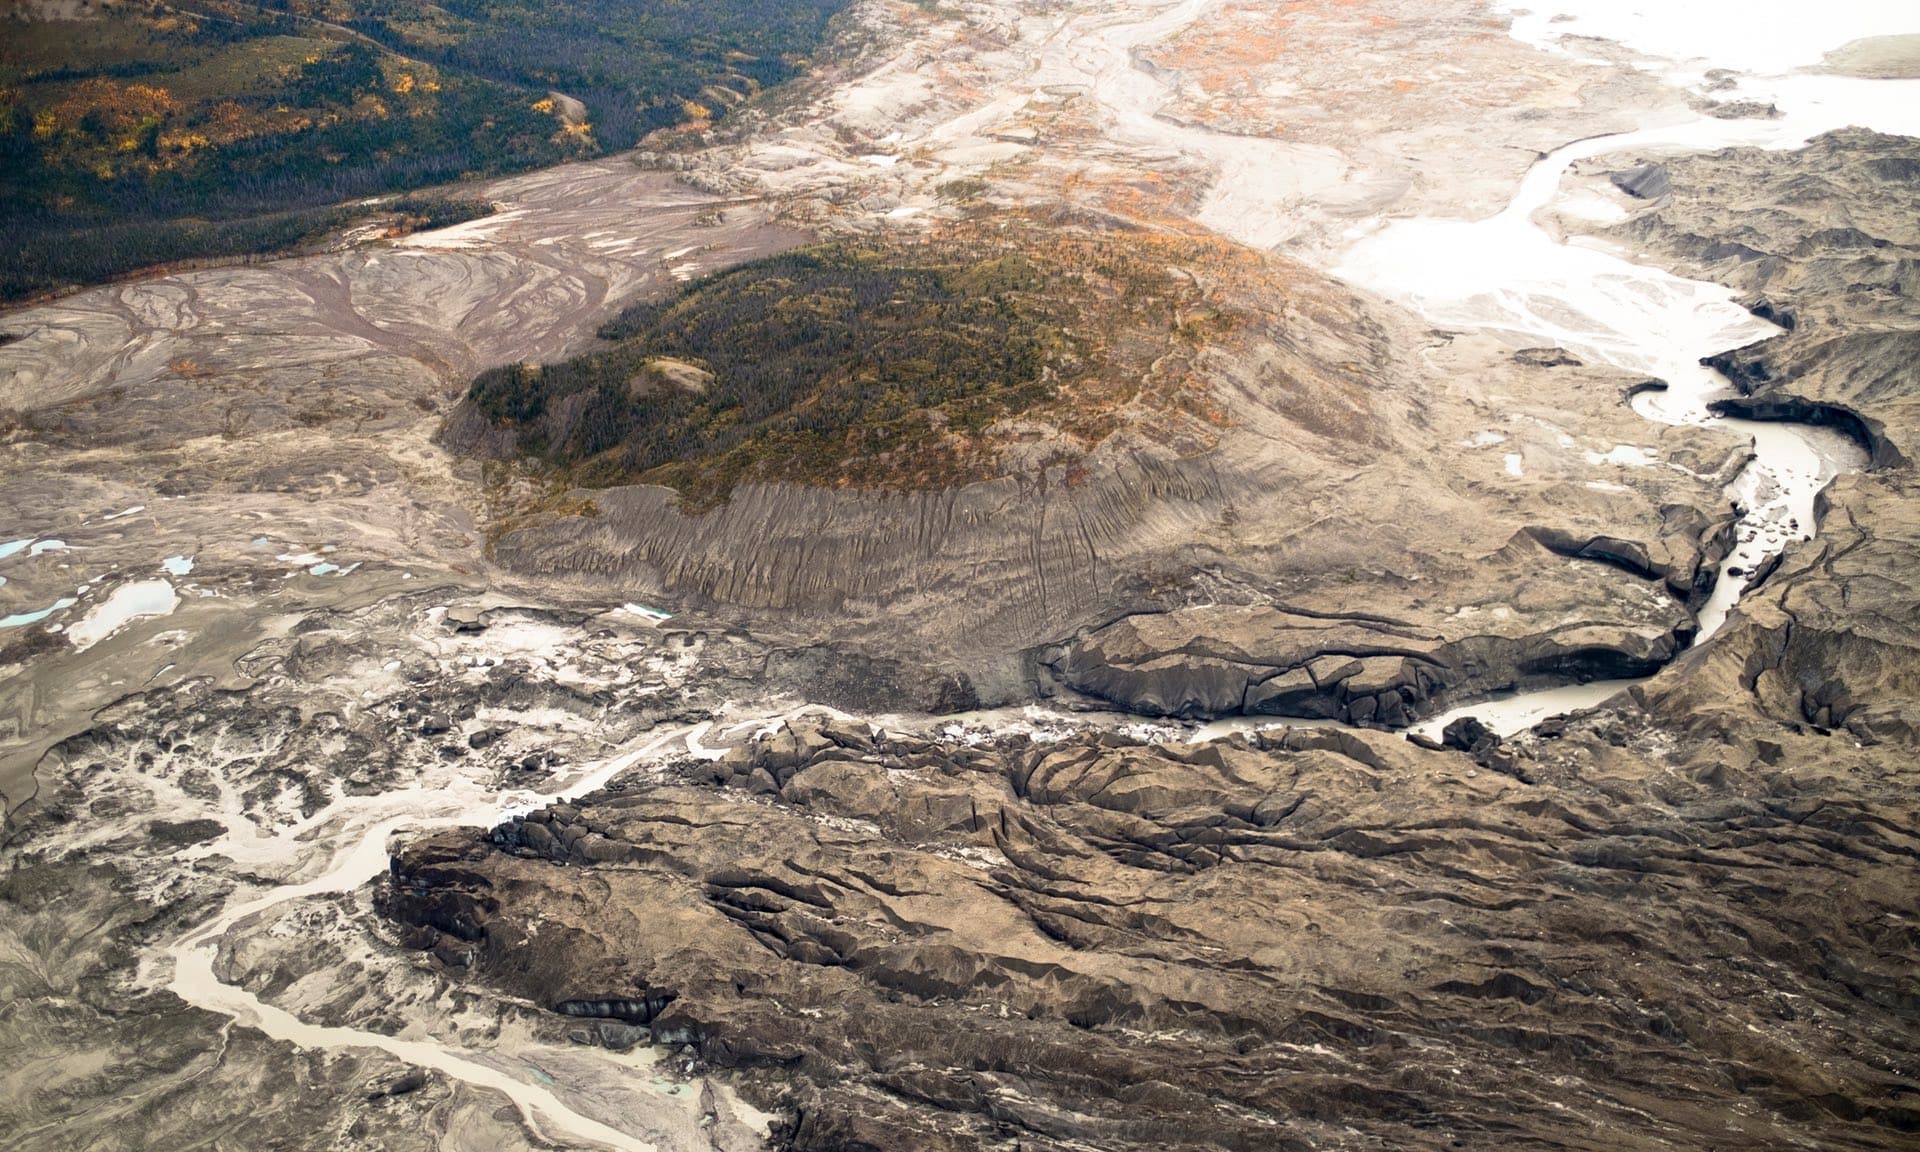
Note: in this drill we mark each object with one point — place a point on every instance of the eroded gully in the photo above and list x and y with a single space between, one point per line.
1519 281
348 842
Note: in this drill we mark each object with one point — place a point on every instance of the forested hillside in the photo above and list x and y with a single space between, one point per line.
133 134
873 365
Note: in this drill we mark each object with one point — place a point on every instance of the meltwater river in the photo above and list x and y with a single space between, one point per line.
1509 275
1504 274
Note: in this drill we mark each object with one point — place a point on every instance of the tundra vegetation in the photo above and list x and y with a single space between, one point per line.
893 365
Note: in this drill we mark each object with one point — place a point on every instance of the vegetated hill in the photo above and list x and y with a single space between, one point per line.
895 366
138 133
637 65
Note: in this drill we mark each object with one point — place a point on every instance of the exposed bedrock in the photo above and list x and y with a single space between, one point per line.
1333 939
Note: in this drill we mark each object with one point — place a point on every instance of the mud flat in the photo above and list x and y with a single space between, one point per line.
215 383
542 1108
220 828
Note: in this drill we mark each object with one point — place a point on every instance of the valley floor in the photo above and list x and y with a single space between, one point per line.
365 794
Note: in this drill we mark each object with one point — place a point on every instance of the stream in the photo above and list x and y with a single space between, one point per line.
1509 275
1505 274
360 829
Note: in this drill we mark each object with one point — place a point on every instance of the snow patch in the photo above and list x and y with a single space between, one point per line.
129 602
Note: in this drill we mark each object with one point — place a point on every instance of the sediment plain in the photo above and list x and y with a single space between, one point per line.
452 806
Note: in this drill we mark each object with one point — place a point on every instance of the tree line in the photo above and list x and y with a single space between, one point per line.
116 157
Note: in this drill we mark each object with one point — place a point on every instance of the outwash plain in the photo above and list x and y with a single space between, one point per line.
1122 576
